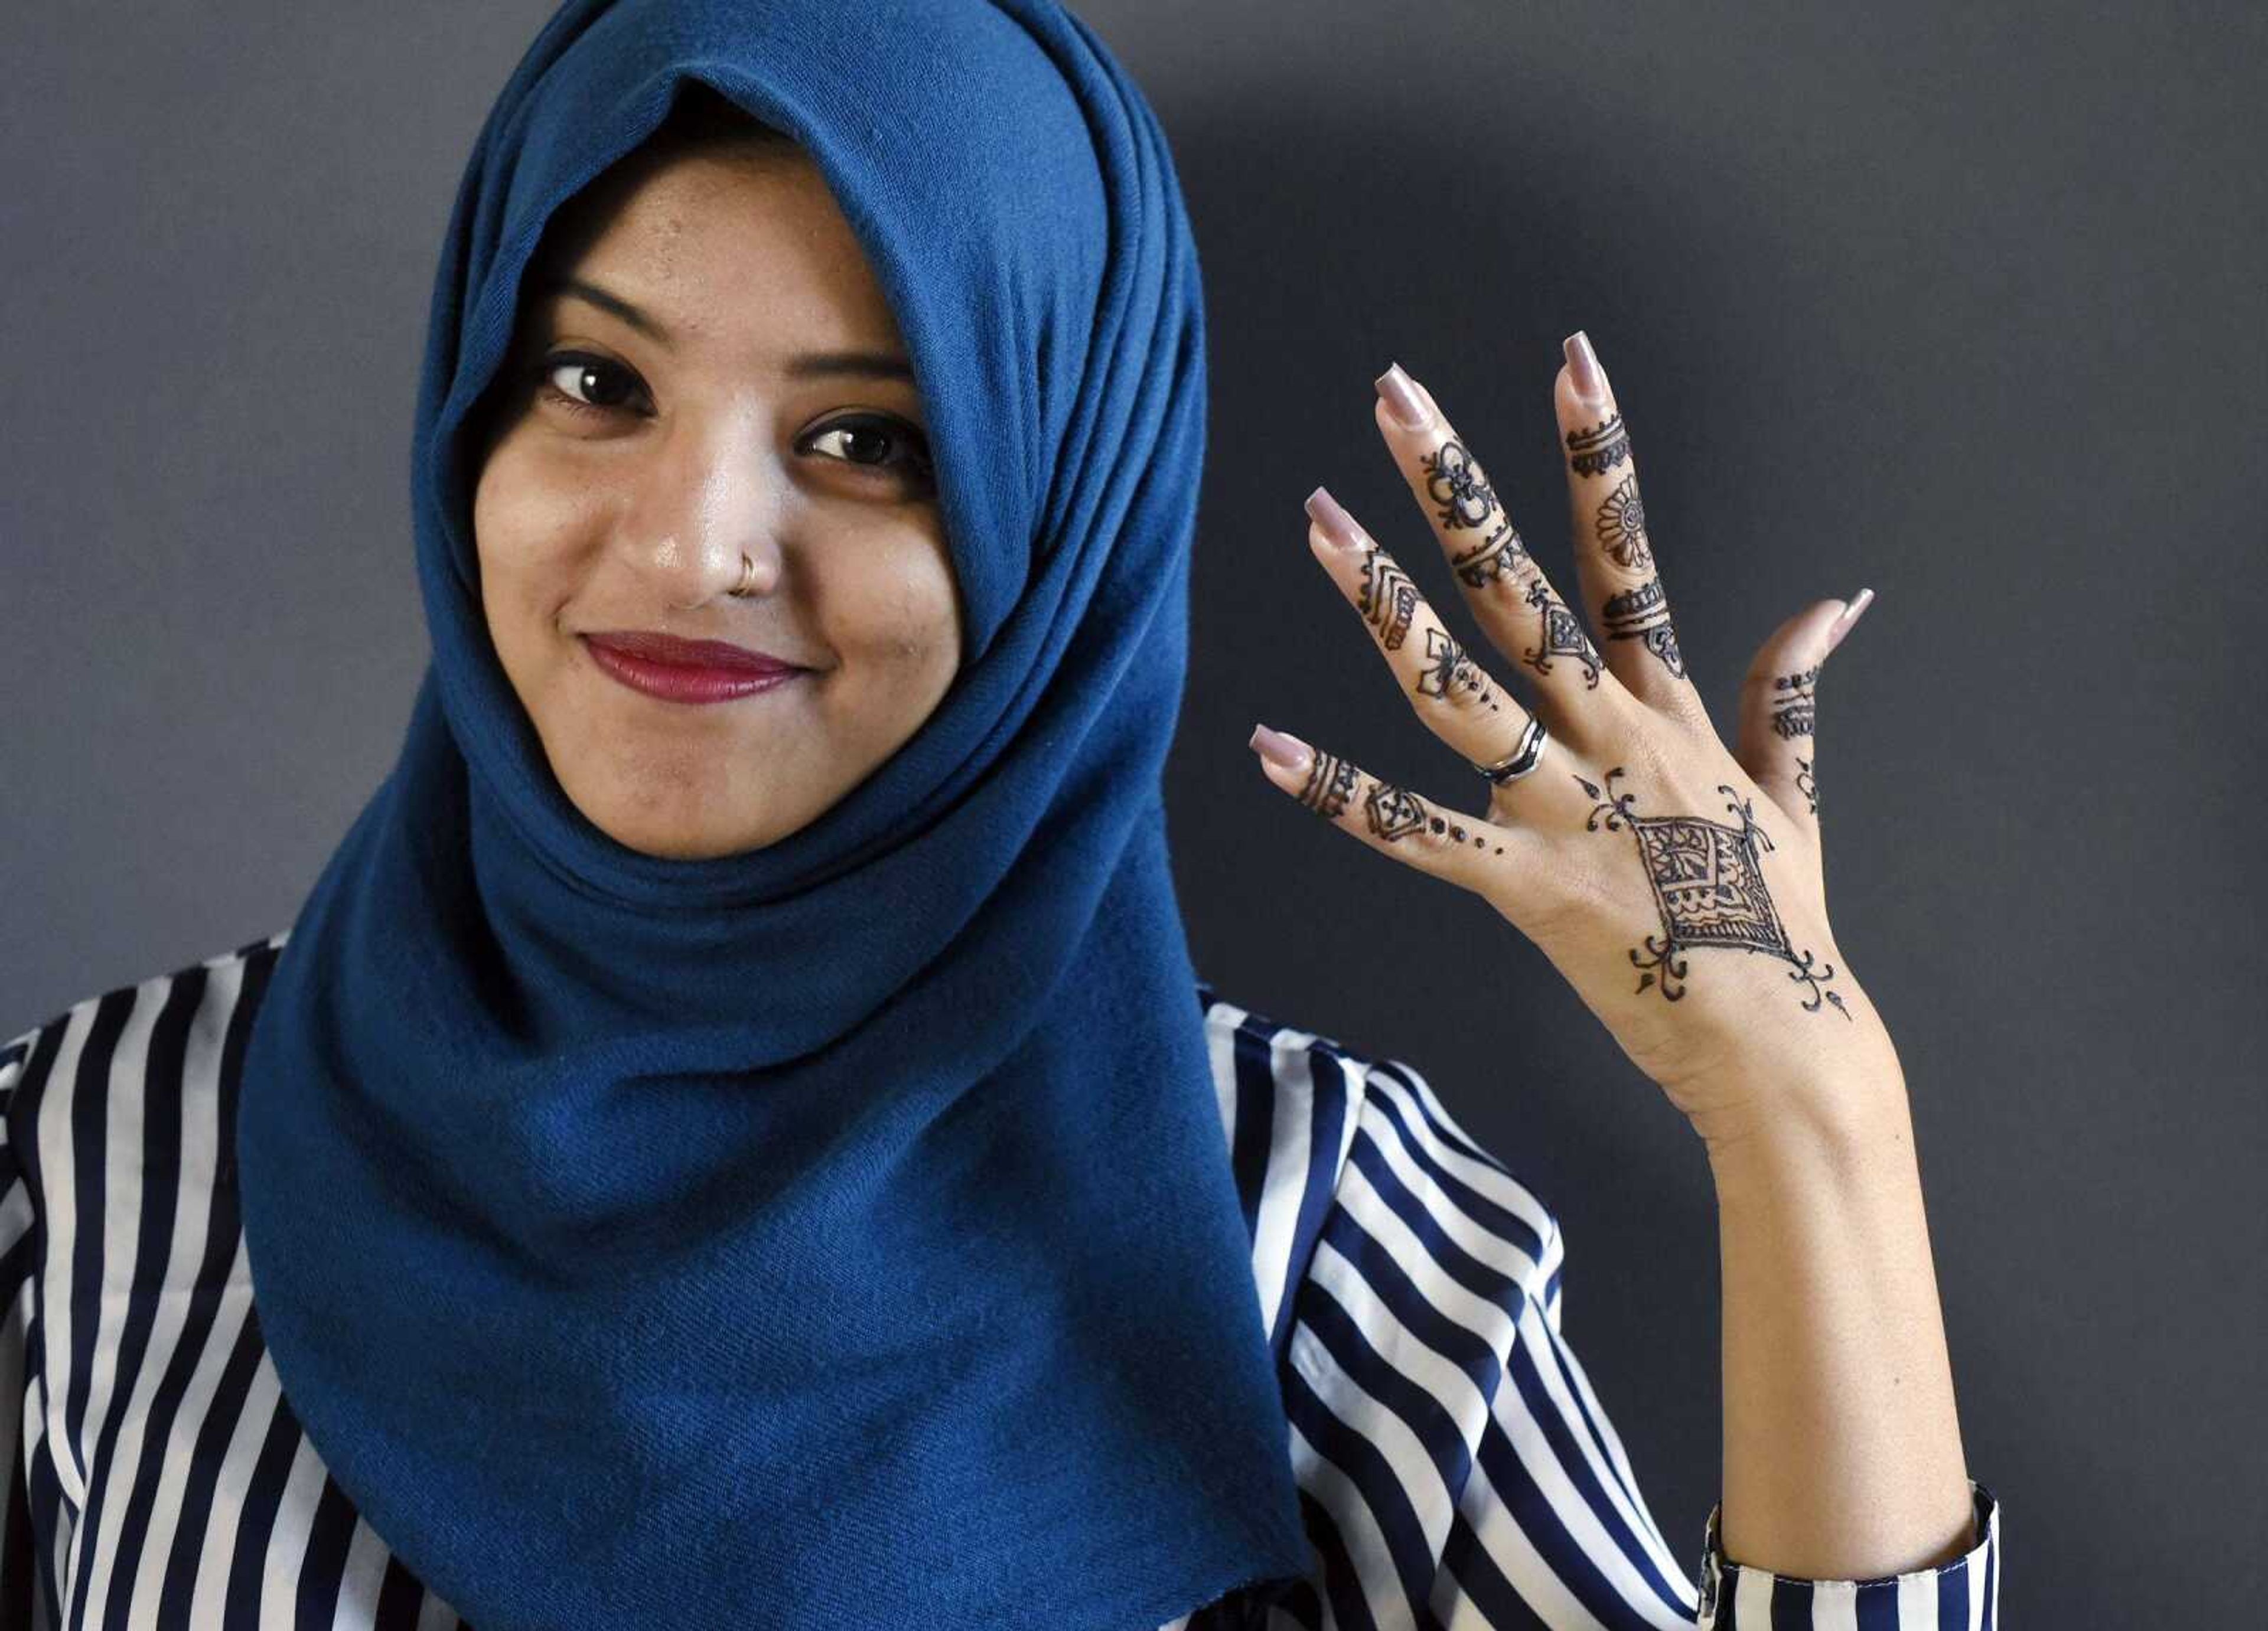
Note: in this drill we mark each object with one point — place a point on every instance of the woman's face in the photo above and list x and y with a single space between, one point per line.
682 391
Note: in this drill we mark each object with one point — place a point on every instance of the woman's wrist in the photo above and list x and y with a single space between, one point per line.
1843 1454
1765 1105
1838 1117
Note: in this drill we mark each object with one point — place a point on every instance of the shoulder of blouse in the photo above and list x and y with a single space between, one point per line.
87 1039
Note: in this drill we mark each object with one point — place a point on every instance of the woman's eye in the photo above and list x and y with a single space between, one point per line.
878 444
584 383
587 384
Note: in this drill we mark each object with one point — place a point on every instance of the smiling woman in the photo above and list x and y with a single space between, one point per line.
735 1137
711 560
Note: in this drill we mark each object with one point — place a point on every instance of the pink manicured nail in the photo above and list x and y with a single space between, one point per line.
1852 613
1401 400
1583 364
1278 749
1337 526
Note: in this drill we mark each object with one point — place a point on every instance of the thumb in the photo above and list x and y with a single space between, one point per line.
1777 747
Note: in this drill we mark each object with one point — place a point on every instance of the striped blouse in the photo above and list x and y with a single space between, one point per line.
1454 1468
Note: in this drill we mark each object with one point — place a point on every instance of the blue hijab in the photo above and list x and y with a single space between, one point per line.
839 1233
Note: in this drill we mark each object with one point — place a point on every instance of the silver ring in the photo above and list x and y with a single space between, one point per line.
1522 759
747 576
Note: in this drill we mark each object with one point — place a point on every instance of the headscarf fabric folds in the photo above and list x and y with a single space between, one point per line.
838 1233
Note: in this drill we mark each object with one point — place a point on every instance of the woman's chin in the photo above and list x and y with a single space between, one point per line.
674 842
667 816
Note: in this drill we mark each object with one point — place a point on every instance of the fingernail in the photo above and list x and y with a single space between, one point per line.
1278 749
1401 400
1851 612
1339 529
1583 365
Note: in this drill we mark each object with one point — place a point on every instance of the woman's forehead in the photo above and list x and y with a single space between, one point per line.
759 224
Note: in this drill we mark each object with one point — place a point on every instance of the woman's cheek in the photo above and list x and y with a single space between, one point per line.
912 622
532 525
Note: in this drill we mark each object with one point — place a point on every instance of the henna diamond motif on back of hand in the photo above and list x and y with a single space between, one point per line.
1709 886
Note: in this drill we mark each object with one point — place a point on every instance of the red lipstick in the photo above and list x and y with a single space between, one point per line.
686 670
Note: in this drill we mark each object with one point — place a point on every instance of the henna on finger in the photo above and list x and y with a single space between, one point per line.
1601 448
1449 669
1332 782
1497 556
1467 502
1457 484
1459 499
1643 613
1791 714
1621 527
1562 635
1389 598
1393 813
1708 885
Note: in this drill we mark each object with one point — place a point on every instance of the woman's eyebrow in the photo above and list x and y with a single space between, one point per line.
871 364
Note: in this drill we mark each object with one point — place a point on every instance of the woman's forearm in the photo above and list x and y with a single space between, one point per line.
1843 1455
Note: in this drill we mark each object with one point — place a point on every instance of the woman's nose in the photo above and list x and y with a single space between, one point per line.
712 513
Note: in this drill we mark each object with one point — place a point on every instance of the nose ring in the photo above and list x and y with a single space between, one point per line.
748 577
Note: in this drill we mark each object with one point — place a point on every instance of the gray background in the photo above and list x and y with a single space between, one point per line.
1961 301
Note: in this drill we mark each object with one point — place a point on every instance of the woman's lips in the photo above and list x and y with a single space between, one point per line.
630 660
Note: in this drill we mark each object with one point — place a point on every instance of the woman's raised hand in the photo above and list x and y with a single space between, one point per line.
1678 886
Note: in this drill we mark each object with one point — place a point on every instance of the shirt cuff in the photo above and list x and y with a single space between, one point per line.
1965 1592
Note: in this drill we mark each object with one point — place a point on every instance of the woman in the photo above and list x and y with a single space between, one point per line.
728 1142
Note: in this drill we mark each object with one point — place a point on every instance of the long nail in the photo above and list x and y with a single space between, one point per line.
1338 526
1401 400
1583 364
1851 614
1278 748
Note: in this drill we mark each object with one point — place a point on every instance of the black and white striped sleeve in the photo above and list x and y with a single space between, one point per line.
18 1242
1454 1462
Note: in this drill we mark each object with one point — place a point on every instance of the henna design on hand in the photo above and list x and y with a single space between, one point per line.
1395 812
1621 526
1457 832
1497 555
1451 669
1791 702
1468 500
1709 886
1332 782
1389 598
1643 613
1601 448
1563 637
